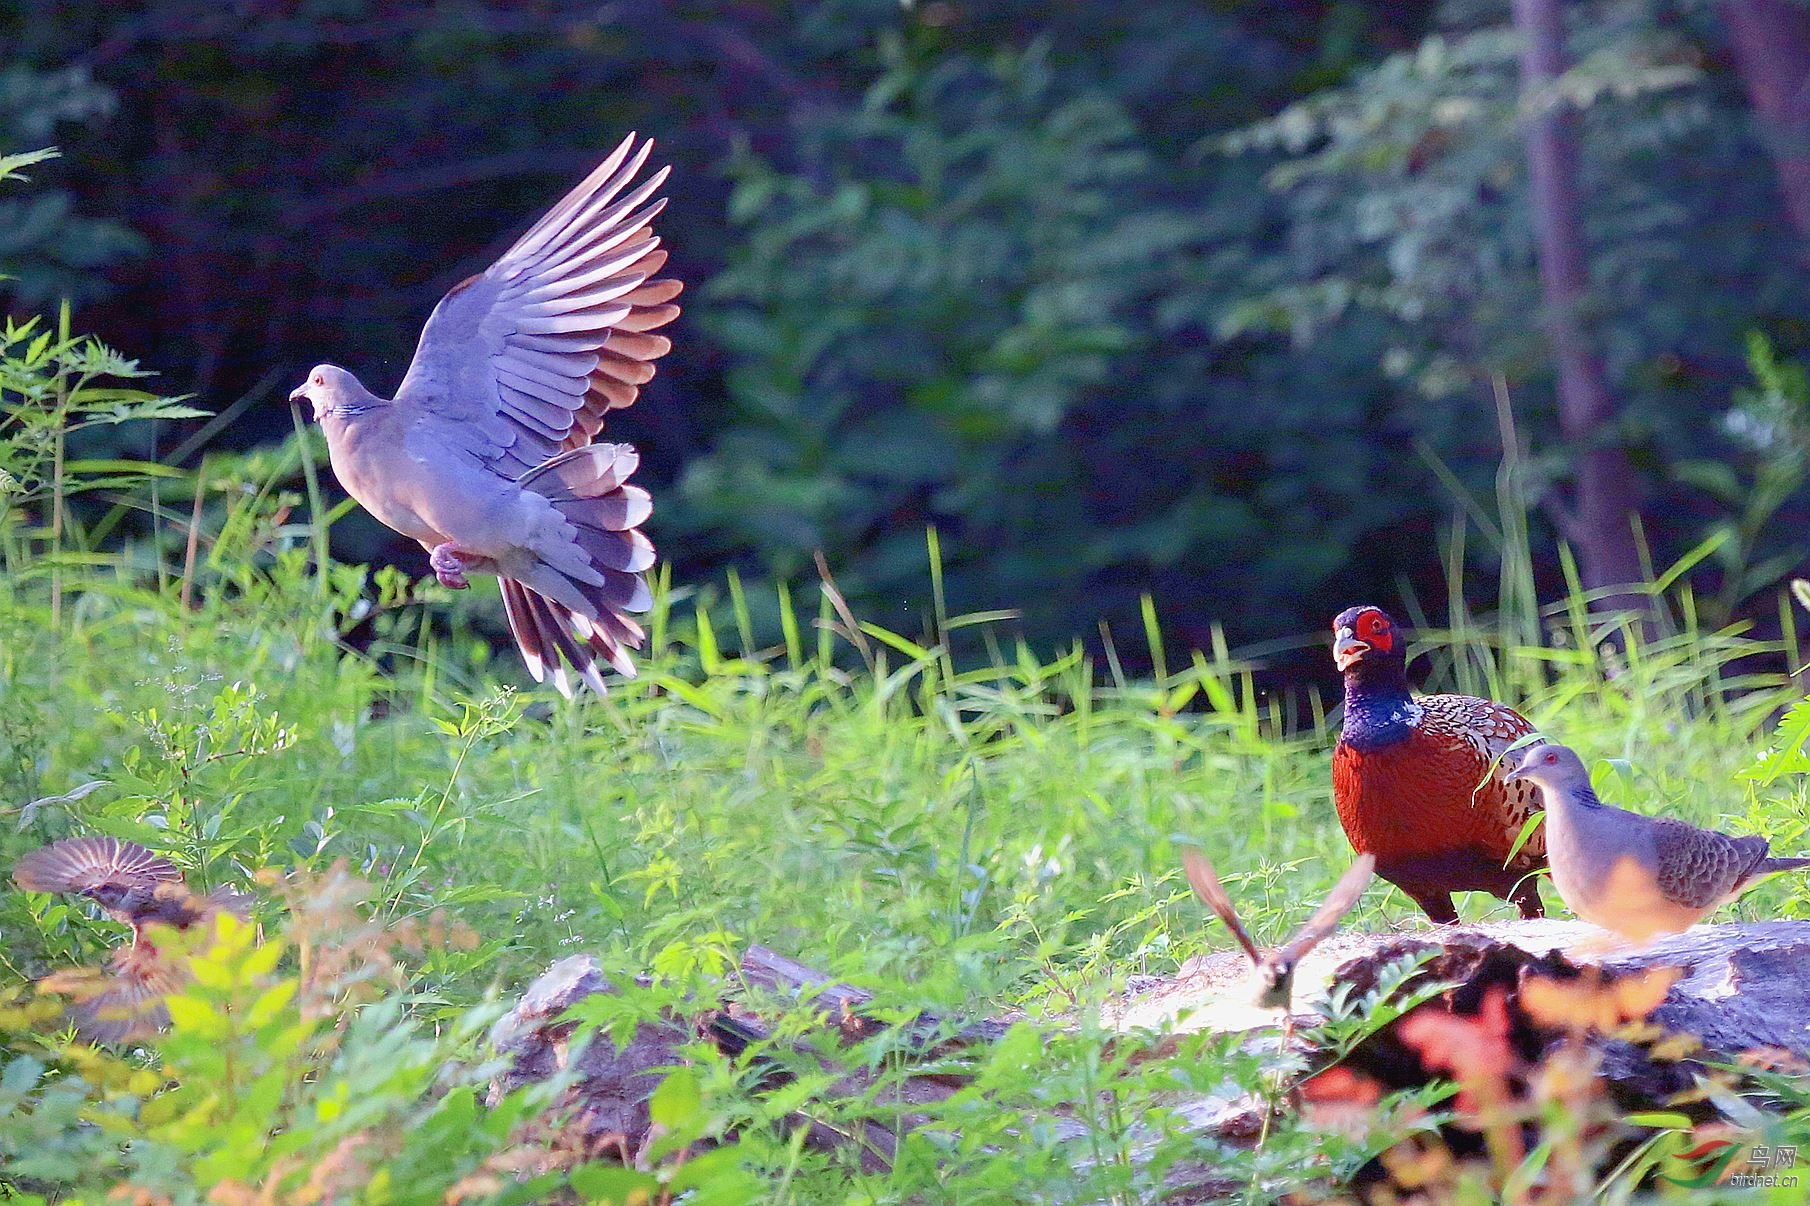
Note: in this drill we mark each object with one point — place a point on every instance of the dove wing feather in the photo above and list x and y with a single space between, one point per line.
1699 868
525 359
1332 910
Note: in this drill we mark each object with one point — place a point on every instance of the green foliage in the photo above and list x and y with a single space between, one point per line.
55 385
976 265
961 838
915 316
1408 228
48 251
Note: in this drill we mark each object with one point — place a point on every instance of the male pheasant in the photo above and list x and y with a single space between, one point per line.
1419 782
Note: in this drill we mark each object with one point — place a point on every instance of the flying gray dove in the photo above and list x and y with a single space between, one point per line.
1276 969
485 455
1635 875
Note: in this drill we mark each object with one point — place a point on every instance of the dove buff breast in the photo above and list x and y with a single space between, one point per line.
486 456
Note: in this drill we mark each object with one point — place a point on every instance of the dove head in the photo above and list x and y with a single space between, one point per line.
1553 767
334 391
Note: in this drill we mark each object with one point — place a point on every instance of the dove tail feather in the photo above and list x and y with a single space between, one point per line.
1780 863
562 625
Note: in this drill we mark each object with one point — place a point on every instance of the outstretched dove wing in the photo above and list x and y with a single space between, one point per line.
526 358
84 863
1326 918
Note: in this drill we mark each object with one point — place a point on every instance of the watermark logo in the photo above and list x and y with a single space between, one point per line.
1766 1167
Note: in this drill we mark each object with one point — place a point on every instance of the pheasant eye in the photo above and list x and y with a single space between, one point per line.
1373 628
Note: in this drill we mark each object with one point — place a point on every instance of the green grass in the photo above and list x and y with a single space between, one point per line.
960 837
944 817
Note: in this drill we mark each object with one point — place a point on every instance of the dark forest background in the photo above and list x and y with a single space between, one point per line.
1228 303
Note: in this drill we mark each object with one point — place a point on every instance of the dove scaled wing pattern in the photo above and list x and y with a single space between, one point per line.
526 358
1206 885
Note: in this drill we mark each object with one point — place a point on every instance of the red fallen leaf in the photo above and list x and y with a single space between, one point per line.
1474 1050
1341 1086
1340 1099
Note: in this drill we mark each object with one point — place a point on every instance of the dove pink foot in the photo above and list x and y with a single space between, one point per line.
449 565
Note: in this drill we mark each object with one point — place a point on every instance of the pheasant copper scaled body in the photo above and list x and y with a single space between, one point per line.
484 455
140 889
1635 875
1418 782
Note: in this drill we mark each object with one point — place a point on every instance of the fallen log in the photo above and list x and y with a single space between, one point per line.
1745 986
1532 985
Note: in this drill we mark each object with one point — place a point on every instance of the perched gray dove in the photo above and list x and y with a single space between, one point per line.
1276 969
485 453
1635 875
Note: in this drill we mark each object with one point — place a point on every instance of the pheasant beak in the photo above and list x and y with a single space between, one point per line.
1347 650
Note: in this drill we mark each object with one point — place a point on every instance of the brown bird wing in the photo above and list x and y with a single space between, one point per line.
1326 918
85 863
123 1003
1485 730
1206 885
526 358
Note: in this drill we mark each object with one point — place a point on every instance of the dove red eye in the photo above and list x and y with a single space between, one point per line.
1552 760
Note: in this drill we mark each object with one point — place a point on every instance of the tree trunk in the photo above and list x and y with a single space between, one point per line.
1771 43
1600 520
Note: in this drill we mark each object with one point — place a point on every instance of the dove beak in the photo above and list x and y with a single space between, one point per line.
298 393
1519 769
1347 650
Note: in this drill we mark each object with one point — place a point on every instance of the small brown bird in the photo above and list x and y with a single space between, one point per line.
134 886
1276 969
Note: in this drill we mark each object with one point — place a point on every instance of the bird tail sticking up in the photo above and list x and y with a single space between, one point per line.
576 617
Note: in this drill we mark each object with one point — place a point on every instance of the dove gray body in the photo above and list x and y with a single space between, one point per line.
413 478
1636 875
485 455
